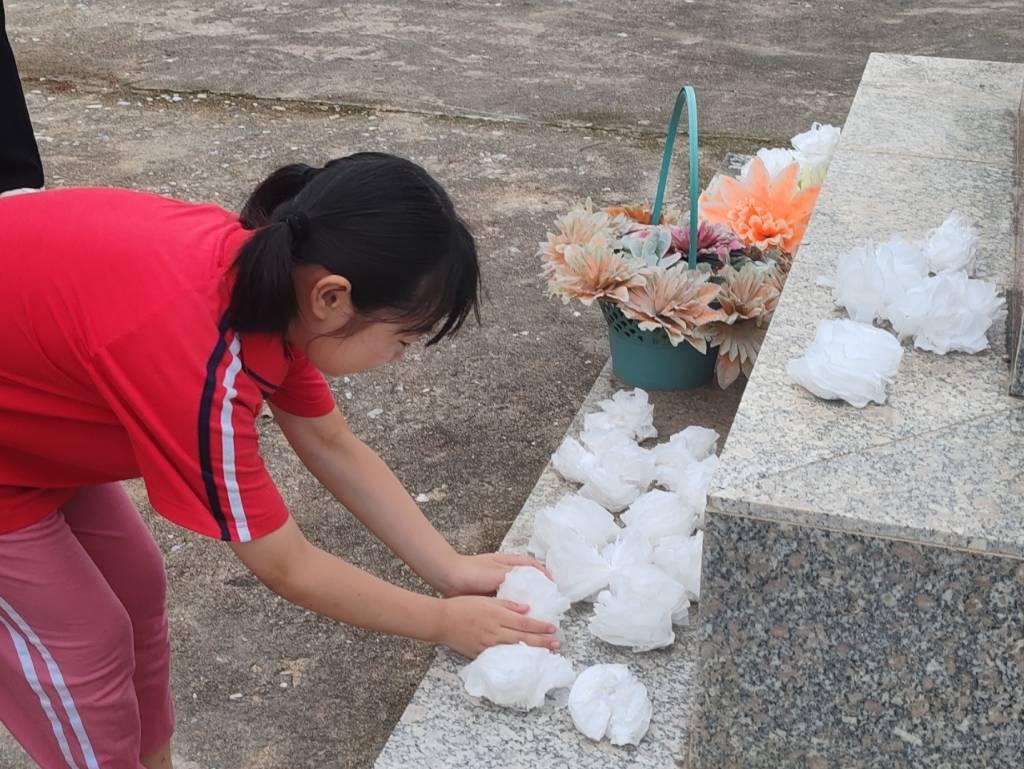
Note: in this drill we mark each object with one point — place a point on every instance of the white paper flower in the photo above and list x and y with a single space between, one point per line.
848 361
620 475
516 675
949 312
680 558
631 548
630 411
869 279
529 586
578 568
639 608
952 246
658 514
608 701
573 515
600 439
572 461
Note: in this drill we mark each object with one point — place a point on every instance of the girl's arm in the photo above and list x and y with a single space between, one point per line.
295 569
361 481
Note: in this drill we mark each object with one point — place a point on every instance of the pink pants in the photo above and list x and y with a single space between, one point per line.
84 655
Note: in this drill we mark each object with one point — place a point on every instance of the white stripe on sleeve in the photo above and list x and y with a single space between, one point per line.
227 437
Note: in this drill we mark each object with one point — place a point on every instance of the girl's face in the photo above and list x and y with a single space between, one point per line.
325 307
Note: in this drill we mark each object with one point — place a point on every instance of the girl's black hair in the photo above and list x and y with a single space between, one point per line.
380 221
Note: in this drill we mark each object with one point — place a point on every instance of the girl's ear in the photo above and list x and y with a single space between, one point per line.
331 300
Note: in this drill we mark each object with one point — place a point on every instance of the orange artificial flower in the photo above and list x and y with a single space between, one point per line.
639 214
766 213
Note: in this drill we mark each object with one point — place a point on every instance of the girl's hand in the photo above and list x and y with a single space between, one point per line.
483 574
470 624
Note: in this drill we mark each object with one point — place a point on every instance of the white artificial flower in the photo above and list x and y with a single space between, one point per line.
871 278
848 361
776 160
948 312
817 146
952 246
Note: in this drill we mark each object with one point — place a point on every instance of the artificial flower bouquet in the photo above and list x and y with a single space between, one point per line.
749 230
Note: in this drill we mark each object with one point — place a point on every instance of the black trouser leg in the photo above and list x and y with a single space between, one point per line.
20 165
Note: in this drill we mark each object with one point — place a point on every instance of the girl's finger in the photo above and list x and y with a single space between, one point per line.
518 608
532 639
525 560
531 625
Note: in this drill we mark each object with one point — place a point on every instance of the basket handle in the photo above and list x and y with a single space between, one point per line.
689 98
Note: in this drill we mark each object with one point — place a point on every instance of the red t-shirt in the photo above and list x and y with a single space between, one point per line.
115 362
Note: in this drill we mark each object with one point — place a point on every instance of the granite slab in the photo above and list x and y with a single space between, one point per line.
443 727
1016 300
941 462
863 580
827 650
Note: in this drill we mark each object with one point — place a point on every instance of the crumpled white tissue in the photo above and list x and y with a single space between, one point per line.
659 514
609 701
693 485
683 449
639 608
572 461
632 548
620 475
656 586
848 361
627 410
680 558
578 568
631 621
599 439
701 441
527 585
949 312
516 676
871 278
952 246
572 515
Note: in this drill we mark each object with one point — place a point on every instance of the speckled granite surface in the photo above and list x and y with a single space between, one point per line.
863 574
1017 296
444 728
824 649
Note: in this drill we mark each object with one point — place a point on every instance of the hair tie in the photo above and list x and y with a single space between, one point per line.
298 223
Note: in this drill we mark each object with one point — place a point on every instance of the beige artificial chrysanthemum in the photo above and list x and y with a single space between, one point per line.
581 225
748 293
738 344
676 301
748 298
594 271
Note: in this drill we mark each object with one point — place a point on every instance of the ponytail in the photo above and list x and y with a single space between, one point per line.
263 297
280 187
380 221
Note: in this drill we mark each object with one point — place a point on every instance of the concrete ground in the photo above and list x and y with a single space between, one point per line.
519 107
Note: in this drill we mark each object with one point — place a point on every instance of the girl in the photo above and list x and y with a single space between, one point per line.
140 336
20 166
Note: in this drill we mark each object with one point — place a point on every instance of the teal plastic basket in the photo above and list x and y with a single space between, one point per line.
648 359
